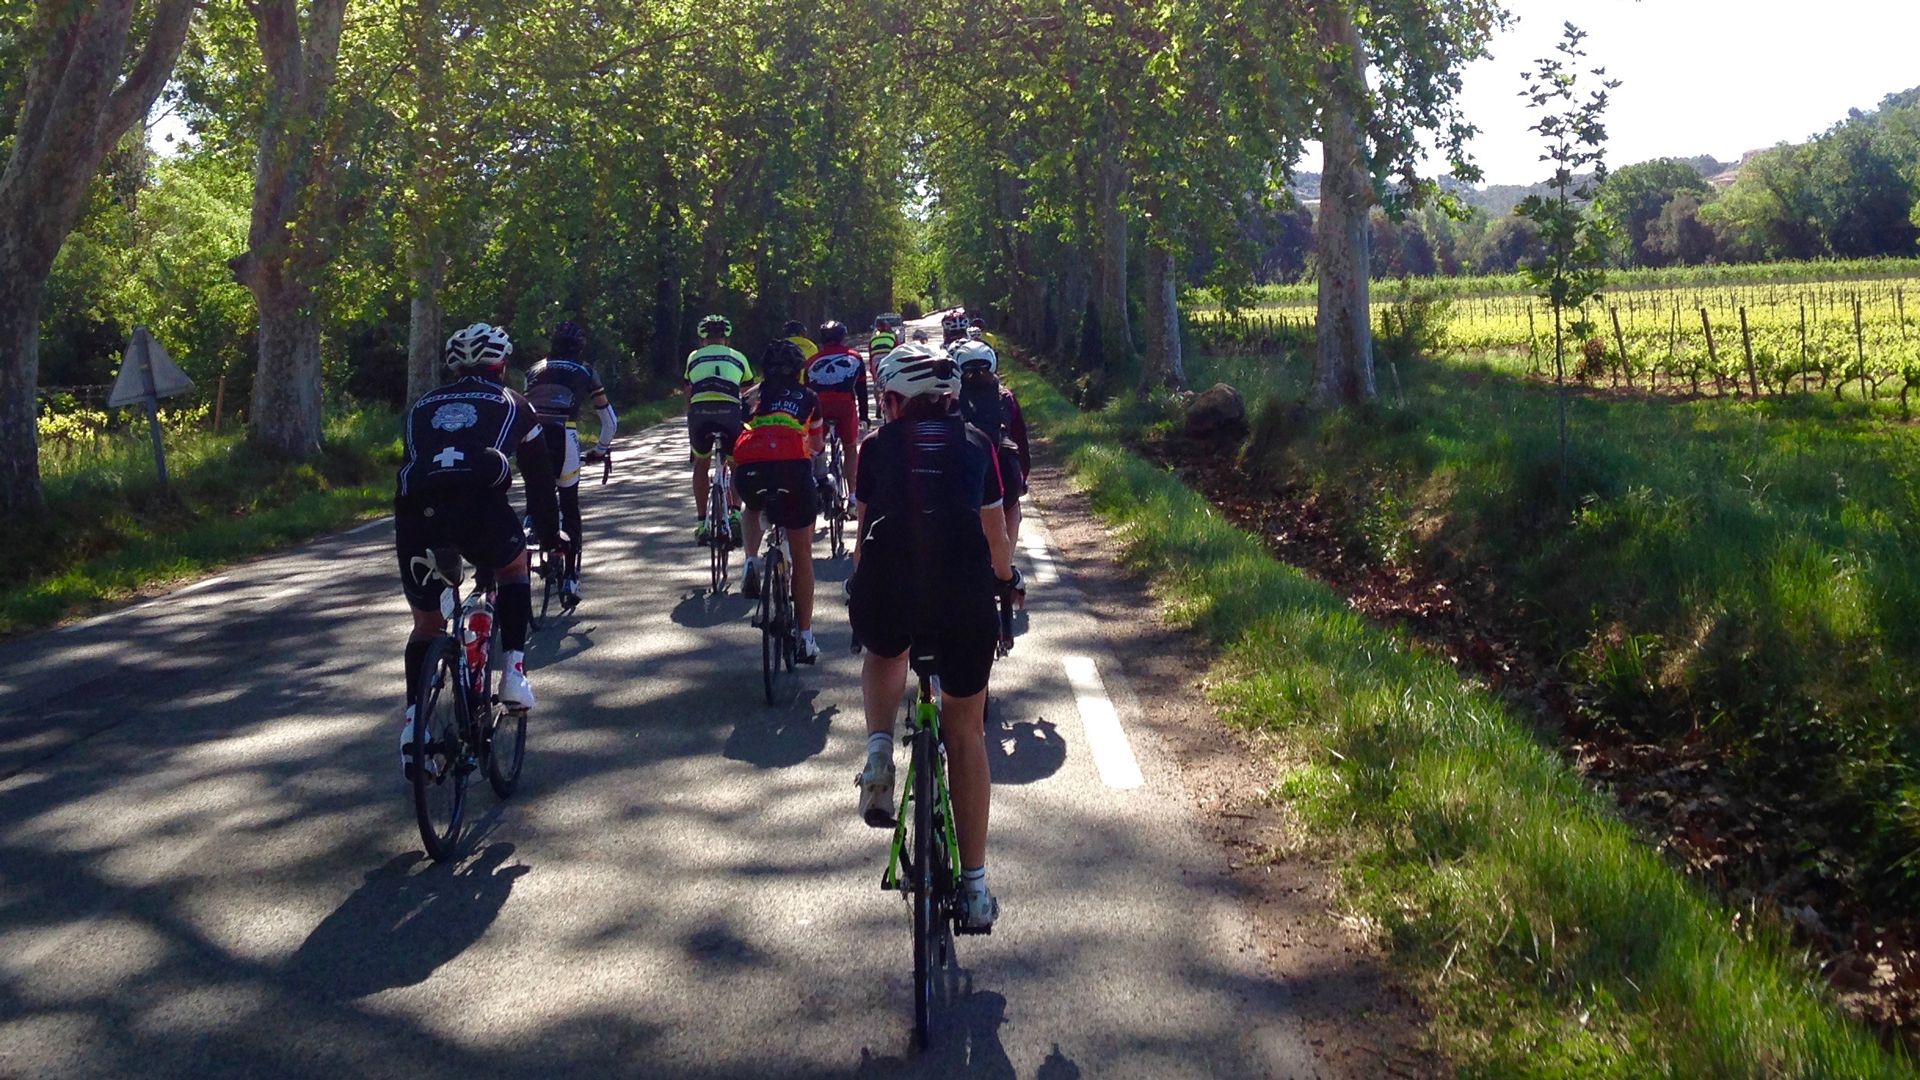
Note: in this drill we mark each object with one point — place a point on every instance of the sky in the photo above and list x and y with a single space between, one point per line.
1716 77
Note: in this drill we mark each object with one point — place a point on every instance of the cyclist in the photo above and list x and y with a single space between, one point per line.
774 475
880 344
931 546
989 406
953 327
796 331
452 490
977 329
558 386
717 377
837 374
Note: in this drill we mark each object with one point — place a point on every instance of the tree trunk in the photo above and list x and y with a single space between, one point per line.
1344 366
21 298
286 388
1110 254
290 237
425 333
1165 366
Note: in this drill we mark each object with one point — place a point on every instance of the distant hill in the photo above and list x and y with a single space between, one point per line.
1498 200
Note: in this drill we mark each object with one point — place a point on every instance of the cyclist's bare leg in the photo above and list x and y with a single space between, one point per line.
1013 521
963 725
756 532
883 683
802 575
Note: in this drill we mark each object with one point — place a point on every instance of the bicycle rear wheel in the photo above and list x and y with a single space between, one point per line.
769 649
925 912
506 750
439 776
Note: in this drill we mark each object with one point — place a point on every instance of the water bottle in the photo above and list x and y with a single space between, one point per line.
479 633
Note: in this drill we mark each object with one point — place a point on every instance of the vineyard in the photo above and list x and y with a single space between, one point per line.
1855 339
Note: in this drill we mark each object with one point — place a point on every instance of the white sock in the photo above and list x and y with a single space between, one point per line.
880 742
974 880
807 636
516 661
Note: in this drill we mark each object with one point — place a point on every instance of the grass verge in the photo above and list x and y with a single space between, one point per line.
1547 939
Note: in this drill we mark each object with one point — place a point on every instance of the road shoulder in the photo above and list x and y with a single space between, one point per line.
1358 1020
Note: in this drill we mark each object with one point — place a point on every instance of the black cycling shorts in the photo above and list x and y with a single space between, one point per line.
961 633
784 489
482 525
705 418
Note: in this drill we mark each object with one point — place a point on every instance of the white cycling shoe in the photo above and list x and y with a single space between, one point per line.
809 650
515 691
876 791
406 746
978 912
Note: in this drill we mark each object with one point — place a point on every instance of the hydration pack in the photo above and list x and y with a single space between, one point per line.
982 405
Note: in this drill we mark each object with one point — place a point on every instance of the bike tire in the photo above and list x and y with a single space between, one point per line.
548 590
439 781
769 651
925 933
505 759
717 559
789 623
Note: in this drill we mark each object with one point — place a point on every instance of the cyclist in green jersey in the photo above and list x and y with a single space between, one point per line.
718 378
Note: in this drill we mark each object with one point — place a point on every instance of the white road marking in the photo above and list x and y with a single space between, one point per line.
1112 753
98 620
368 527
1044 572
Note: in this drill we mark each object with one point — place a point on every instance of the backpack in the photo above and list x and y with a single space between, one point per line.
981 404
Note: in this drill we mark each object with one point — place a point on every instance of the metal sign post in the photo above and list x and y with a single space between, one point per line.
148 374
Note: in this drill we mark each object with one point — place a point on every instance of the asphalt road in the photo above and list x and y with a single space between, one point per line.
208 863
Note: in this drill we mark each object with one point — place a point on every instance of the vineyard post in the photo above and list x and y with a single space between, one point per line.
1900 308
1746 344
1620 341
219 402
1713 354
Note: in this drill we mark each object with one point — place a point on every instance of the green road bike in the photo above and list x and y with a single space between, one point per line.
924 865
460 727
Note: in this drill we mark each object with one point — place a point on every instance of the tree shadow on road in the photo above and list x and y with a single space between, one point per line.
702 610
965 1041
402 923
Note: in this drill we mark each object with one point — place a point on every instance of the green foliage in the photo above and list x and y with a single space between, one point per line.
1549 940
1634 198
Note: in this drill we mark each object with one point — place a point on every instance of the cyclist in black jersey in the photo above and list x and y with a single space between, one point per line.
558 386
931 557
452 490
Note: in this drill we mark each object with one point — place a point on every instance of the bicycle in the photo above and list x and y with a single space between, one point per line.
460 726
838 503
924 863
720 538
779 631
550 565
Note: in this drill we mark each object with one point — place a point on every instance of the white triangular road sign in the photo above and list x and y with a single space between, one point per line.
131 384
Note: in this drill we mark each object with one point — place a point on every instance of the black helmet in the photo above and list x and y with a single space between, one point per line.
794 328
568 338
833 332
782 360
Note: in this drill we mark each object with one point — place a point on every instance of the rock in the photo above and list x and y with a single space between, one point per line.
1218 415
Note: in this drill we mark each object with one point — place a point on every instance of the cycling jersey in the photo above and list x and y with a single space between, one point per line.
460 436
882 342
559 387
781 427
835 369
717 373
804 344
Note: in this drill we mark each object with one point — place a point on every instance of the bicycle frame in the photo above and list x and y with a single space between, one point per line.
924 723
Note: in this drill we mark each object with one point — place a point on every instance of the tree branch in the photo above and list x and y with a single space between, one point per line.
135 94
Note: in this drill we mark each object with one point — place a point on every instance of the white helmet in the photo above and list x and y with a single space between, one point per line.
480 347
916 371
972 355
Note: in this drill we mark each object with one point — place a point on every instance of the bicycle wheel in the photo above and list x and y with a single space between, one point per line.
769 649
925 933
506 750
439 776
